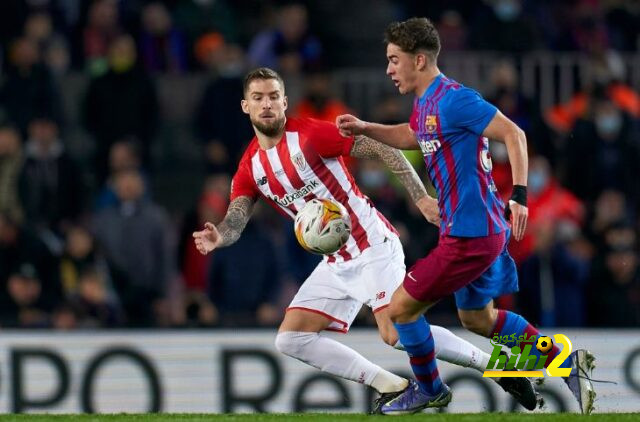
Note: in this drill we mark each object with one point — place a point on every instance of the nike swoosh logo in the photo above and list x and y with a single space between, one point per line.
411 277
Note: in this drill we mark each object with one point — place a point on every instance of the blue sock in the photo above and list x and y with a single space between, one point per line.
509 323
418 342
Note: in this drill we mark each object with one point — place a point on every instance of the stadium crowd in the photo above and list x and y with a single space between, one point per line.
89 238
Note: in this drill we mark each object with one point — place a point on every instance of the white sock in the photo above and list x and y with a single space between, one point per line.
335 358
451 348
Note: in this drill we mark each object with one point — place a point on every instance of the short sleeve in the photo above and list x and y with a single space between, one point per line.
468 110
243 184
326 139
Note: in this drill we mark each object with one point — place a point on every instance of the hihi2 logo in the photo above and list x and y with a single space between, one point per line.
523 364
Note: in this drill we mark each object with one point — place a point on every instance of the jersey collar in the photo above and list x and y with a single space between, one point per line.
431 89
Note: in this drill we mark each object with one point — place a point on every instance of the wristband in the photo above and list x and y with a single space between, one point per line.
519 195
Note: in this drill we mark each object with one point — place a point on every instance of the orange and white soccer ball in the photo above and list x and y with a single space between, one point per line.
322 226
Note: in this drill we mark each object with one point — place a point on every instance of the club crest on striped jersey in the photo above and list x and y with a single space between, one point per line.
299 161
431 123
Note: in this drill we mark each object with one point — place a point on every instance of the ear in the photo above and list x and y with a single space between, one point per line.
245 106
285 101
421 61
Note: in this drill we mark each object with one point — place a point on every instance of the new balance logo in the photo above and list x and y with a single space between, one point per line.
381 295
261 181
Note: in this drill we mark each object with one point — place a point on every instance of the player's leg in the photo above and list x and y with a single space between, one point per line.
454 263
313 310
448 347
477 313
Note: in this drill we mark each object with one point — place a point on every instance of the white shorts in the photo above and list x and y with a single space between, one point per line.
338 290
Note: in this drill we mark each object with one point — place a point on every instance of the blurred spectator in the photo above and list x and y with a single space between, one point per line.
102 30
162 46
212 206
610 208
289 47
121 103
521 110
553 279
219 121
549 204
79 256
11 158
92 303
255 302
123 155
604 79
452 31
501 25
53 48
606 141
135 237
28 89
24 308
19 246
51 188
319 102
615 283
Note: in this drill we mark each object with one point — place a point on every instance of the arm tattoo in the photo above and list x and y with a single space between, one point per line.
364 147
235 220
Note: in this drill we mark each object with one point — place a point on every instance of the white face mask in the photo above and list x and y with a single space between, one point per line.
608 125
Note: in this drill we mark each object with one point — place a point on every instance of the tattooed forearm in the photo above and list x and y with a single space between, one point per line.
364 147
235 221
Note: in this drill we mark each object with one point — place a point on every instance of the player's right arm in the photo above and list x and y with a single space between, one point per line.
398 136
229 230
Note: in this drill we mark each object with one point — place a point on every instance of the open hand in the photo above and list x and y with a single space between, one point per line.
208 239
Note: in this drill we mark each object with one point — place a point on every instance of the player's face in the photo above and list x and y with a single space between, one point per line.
265 103
402 68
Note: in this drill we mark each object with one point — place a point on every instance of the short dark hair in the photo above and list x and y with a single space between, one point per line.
413 35
261 73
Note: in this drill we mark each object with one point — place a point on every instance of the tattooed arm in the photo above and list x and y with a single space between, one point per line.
364 147
229 230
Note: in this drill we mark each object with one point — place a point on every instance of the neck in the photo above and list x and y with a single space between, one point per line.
426 79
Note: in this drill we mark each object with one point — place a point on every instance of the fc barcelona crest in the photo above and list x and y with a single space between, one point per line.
299 161
431 124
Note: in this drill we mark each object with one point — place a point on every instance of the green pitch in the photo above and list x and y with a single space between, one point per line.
324 417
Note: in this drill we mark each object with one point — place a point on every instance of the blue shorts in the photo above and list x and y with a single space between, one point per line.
501 278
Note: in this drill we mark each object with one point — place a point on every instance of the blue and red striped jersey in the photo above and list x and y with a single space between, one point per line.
448 120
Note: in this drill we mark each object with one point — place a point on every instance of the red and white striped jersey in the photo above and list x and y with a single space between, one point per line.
307 164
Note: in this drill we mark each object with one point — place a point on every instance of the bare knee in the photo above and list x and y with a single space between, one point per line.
390 337
404 308
480 322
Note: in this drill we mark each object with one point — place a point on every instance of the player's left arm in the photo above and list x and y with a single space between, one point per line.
502 129
365 147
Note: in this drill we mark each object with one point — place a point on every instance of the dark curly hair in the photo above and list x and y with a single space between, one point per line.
413 35
262 73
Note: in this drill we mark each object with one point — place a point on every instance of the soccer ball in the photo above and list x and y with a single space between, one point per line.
322 226
544 344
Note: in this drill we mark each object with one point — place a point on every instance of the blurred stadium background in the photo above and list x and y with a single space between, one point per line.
120 127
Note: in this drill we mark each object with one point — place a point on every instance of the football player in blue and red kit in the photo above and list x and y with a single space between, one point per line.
451 124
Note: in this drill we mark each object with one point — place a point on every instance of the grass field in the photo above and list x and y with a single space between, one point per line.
324 417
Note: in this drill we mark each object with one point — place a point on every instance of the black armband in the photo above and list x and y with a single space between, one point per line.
519 195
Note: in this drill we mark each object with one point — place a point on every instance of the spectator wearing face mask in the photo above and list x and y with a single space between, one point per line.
549 203
602 153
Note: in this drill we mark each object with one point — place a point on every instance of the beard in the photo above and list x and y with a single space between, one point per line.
269 129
